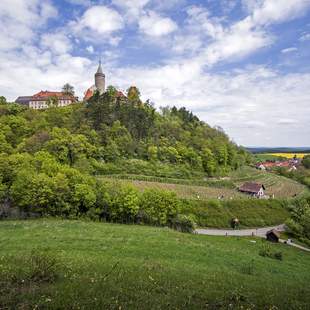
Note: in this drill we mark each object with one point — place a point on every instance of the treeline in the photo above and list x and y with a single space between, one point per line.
112 129
49 159
40 185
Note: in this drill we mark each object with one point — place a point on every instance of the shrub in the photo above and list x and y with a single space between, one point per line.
184 223
159 207
124 204
266 251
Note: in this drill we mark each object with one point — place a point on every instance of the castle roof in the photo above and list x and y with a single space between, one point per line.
46 94
99 70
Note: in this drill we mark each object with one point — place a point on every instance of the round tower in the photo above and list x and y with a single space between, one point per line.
100 79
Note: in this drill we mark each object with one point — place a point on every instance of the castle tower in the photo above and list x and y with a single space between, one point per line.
100 79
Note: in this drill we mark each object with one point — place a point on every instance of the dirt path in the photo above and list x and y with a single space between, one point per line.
259 232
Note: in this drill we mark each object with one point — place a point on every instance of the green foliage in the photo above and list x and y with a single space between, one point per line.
299 223
68 89
124 204
306 161
266 251
184 223
2 100
159 207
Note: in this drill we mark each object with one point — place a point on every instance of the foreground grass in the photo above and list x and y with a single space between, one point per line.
106 266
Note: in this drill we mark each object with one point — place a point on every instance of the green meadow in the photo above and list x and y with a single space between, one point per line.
62 264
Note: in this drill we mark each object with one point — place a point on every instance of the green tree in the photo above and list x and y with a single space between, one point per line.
68 89
306 161
208 161
2 100
159 207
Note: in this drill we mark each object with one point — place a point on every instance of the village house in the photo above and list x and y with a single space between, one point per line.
253 189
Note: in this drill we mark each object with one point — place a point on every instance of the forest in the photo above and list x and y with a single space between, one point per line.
51 159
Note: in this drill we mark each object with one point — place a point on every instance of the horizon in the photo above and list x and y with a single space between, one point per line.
241 65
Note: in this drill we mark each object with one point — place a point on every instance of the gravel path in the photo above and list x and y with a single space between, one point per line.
259 232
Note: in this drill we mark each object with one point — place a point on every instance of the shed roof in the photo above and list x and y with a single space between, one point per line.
251 187
273 231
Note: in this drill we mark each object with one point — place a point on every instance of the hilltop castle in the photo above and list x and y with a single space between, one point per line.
41 99
99 84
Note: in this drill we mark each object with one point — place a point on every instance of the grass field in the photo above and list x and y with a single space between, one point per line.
106 266
276 185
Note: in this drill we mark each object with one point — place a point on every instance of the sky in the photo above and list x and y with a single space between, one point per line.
243 65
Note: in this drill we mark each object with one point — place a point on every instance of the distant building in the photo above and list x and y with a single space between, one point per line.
41 99
273 235
99 84
253 189
261 167
24 100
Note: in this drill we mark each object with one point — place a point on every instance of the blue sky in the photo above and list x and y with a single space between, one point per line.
239 64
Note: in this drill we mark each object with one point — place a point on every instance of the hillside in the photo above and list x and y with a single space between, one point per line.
134 267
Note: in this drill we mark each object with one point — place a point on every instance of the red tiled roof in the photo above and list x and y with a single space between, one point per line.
88 94
46 94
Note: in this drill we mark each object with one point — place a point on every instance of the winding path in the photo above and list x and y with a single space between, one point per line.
259 232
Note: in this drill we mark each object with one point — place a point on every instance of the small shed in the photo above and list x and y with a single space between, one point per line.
252 188
273 235
261 167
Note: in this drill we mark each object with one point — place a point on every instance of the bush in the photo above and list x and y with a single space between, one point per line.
124 204
184 223
266 251
158 207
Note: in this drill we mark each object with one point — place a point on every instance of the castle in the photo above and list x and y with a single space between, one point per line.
99 84
41 100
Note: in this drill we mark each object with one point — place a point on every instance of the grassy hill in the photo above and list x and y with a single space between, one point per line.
106 266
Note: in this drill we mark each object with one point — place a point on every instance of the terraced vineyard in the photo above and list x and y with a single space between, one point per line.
278 186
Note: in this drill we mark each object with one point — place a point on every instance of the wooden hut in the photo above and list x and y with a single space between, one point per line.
253 189
273 235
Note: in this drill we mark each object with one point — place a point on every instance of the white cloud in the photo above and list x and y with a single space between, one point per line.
219 41
58 42
20 19
132 9
289 50
90 49
100 19
286 121
277 11
305 37
156 26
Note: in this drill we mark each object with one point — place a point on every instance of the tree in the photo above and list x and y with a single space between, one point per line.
208 161
2 100
68 89
52 101
306 161
159 207
133 94
111 90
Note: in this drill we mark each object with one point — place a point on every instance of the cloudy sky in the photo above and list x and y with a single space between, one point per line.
243 65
